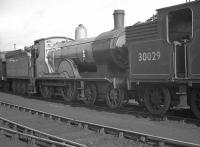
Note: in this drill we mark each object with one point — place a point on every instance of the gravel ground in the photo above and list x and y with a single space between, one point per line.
7 142
168 129
57 128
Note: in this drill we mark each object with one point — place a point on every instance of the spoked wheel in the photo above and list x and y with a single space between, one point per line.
14 87
195 102
6 86
23 87
18 87
68 94
90 94
157 100
46 92
114 97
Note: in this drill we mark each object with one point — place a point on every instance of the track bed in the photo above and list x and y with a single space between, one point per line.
168 129
6 142
83 136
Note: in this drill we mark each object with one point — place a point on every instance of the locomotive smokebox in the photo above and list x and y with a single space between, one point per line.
118 19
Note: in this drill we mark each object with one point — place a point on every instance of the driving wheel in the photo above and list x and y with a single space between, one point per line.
69 94
195 102
114 97
46 92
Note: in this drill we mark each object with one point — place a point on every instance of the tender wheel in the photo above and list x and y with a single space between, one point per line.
114 97
14 87
23 87
69 94
90 94
18 87
157 100
195 102
46 92
6 86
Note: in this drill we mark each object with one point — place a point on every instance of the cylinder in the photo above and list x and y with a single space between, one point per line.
118 19
80 32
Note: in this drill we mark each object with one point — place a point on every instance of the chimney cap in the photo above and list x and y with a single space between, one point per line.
119 11
118 18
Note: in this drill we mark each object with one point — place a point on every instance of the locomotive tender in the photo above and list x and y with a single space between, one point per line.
156 63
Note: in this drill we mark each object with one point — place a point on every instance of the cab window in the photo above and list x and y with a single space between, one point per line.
180 25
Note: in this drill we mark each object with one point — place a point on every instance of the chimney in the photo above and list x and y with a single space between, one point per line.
80 32
118 19
14 46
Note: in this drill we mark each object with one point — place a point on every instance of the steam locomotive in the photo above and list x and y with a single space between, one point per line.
155 62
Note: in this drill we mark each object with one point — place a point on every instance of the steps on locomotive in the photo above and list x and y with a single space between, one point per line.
182 94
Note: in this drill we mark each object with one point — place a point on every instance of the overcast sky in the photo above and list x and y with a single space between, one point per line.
23 21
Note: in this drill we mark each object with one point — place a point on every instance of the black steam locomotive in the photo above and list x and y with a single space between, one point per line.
156 63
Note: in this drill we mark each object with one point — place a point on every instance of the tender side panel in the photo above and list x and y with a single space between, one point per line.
149 55
194 47
17 66
149 60
1 72
1 68
194 56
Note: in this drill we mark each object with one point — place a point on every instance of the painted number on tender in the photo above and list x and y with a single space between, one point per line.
148 56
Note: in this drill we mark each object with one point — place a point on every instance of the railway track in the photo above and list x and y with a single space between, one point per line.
18 131
139 112
139 138
31 139
56 127
133 110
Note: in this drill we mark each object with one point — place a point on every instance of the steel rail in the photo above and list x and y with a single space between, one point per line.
136 113
33 140
37 133
150 116
139 137
170 117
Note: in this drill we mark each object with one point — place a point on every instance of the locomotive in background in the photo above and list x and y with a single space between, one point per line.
83 69
156 63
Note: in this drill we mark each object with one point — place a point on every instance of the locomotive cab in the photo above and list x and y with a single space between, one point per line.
164 58
179 23
181 28
183 32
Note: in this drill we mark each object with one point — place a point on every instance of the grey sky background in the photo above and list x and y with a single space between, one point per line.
23 21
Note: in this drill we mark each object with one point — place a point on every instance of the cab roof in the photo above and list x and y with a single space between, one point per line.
179 6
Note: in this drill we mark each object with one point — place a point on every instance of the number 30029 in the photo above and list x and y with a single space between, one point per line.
148 56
